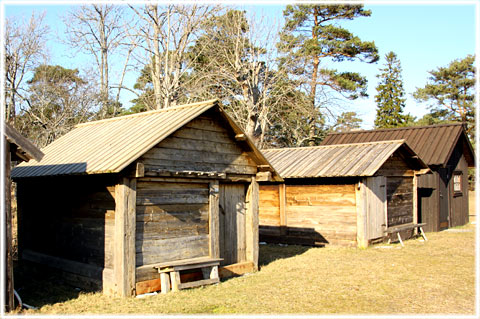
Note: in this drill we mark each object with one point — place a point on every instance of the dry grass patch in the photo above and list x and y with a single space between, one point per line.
423 278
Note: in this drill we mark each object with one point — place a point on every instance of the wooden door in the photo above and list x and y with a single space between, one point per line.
376 206
444 202
232 223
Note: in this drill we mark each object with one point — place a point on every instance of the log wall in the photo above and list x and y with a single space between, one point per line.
172 221
315 214
201 145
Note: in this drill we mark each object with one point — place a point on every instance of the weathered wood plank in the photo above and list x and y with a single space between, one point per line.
172 198
124 238
9 295
232 223
282 201
157 251
251 224
151 165
198 156
200 145
361 212
198 283
182 212
236 269
148 184
213 216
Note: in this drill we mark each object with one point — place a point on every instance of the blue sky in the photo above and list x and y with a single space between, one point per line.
424 37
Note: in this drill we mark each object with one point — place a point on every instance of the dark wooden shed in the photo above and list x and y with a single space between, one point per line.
351 194
119 204
446 149
16 149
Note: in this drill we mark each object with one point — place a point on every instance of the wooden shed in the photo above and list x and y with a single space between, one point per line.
351 194
446 149
120 204
16 149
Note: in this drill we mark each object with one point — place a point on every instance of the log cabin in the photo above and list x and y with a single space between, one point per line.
351 194
16 149
446 149
159 200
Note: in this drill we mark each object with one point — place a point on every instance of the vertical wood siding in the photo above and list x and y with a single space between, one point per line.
232 223
428 201
459 201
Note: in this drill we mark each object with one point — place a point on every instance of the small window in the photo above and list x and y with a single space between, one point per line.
457 183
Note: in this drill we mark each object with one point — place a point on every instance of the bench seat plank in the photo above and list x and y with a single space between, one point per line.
186 262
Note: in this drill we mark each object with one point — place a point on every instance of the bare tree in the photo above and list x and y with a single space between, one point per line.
236 61
101 31
58 99
24 48
167 33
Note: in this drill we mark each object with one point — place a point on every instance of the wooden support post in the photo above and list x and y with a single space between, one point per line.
210 272
415 203
175 279
423 234
361 207
282 199
164 282
9 298
214 226
400 239
124 238
251 223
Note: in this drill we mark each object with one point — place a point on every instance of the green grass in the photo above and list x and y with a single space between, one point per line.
433 277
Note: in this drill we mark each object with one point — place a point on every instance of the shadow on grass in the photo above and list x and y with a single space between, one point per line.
39 286
271 252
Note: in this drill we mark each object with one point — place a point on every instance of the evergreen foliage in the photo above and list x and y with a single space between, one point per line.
311 35
450 92
347 121
390 98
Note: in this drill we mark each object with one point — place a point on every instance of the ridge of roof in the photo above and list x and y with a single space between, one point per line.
399 141
340 160
146 113
399 128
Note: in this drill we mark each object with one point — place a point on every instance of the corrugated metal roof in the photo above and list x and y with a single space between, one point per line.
359 159
434 143
108 146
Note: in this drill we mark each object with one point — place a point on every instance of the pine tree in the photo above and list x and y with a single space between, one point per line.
390 98
311 35
451 92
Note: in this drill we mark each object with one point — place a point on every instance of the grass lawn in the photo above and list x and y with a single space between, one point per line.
437 276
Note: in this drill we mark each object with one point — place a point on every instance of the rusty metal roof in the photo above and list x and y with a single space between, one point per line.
434 143
108 146
347 160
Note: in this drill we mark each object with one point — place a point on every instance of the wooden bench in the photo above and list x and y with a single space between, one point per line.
398 229
170 272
